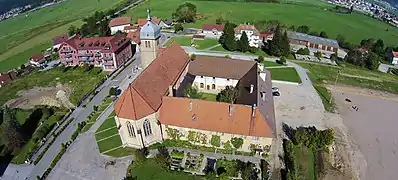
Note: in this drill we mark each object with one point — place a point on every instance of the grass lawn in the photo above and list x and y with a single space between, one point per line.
205 43
106 133
209 96
271 63
354 27
110 143
73 78
96 114
305 162
17 60
325 95
150 170
121 152
182 41
108 123
353 76
285 74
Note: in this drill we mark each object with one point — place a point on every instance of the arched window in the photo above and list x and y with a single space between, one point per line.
130 129
213 86
147 128
202 85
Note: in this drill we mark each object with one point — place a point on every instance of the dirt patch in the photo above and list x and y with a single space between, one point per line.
57 96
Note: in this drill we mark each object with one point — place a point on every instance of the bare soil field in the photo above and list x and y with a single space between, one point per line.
52 96
372 126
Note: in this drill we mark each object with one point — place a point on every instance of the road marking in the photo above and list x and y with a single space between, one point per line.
103 139
106 129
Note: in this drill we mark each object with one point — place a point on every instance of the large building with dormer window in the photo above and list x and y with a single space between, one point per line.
107 52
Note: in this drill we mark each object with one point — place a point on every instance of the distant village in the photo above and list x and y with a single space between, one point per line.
30 7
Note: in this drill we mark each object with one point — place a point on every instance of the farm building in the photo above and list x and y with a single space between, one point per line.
314 42
213 29
118 24
252 34
37 60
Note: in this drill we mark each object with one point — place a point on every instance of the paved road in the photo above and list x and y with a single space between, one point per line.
79 115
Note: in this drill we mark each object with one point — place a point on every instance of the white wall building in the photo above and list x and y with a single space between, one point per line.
252 33
213 84
118 24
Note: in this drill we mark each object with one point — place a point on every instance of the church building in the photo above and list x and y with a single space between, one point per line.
154 108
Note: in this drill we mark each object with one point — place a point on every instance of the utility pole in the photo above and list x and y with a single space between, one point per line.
334 87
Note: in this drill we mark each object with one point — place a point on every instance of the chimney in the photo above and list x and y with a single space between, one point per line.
254 107
171 91
251 88
190 105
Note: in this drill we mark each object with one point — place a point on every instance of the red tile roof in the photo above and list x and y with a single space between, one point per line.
7 77
134 27
37 57
265 35
104 44
213 116
142 22
134 36
246 27
144 96
59 39
120 21
211 27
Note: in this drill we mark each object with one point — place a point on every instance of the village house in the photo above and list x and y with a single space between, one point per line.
107 52
58 40
213 29
7 77
118 24
37 60
252 33
154 104
165 24
393 57
314 43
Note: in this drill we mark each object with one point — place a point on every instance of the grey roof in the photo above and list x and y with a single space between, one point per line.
313 39
150 30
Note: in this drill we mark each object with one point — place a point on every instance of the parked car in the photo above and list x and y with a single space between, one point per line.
275 91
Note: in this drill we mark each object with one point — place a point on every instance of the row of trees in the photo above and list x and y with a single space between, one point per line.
97 24
279 46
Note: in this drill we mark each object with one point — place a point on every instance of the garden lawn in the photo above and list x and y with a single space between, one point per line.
209 96
271 63
121 152
108 123
106 133
305 162
285 74
108 144
150 170
205 43
182 41
73 78
353 76
354 27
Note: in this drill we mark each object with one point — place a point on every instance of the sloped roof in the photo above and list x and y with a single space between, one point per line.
104 44
144 96
37 57
246 27
120 21
395 54
213 116
142 21
219 67
313 39
59 39
134 36
211 27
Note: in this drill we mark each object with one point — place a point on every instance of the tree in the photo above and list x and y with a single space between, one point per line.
355 57
243 42
372 61
323 34
303 29
112 91
104 29
378 48
260 59
192 57
11 135
237 142
279 46
163 158
334 57
22 66
282 60
313 33
367 43
192 92
220 20
215 141
228 147
227 39
185 13
229 94
72 30
318 54
178 27
303 51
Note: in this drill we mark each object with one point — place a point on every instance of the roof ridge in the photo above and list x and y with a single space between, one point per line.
150 105
132 101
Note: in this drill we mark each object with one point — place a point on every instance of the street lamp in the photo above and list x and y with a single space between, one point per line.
335 82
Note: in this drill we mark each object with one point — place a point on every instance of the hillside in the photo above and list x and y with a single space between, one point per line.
354 27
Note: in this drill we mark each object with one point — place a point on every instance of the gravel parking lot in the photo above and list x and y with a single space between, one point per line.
373 128
83 161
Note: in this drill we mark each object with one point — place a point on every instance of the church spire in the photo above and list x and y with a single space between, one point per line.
149 16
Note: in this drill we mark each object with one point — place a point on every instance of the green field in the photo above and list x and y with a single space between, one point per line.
354 27
271 64
209 96
285 74
31 32
353 76
151 170
73 78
